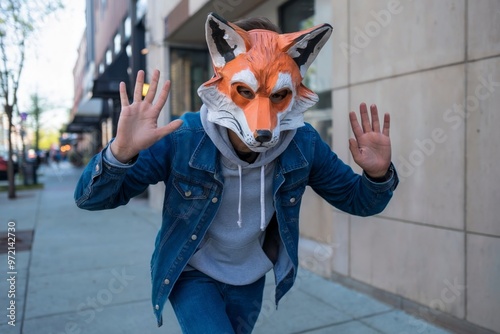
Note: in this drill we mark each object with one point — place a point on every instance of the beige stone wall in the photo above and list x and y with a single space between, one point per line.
435 66
158 58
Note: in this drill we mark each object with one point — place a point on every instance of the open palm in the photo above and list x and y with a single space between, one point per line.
138 123
371 147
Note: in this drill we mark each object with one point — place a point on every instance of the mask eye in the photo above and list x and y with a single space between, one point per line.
279 96
245 92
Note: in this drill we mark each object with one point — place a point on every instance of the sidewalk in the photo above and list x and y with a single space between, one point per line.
88 272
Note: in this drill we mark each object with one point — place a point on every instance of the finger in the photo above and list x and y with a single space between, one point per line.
169 128
353 147
375 120
356 128
365 119
152 87
162 98
139 82
387 124
123 95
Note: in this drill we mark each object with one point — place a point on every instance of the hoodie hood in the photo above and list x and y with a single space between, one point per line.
219 136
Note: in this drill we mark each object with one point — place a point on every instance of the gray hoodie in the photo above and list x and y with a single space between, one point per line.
231 251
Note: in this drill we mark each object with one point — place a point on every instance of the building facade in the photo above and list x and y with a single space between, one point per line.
435 67
109 52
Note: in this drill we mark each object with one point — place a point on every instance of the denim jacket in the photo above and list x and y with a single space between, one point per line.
188 163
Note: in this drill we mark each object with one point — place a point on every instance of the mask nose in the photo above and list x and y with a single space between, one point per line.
261 119
263 136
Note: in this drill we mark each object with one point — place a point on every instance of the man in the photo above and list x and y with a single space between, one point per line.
235 173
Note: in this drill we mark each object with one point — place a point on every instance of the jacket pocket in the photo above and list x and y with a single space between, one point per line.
186 197
292 195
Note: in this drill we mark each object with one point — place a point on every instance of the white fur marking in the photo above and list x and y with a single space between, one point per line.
284 81
247 77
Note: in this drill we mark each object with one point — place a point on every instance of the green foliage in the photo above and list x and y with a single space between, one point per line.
48 138
35 113
24 187
19 20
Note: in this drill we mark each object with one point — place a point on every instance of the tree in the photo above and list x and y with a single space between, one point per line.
19 20
35 113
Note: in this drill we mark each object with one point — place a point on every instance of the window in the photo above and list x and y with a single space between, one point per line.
296 15
188 69
127 28
109 57
117 43
141 9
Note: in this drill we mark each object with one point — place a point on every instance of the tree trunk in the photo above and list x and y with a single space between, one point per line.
10 166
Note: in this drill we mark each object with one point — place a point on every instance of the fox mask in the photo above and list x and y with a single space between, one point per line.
257 89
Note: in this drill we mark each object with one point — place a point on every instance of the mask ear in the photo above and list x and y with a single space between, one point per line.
224 41
304 46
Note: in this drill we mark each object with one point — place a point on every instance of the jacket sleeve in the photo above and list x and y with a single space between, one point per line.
104 185
338 184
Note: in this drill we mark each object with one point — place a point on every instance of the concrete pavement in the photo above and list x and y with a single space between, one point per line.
88 272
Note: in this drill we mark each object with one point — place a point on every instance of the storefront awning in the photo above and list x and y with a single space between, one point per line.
90 108
107 85
185 27
81 127
87 116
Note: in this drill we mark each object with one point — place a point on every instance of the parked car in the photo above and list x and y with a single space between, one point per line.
3 168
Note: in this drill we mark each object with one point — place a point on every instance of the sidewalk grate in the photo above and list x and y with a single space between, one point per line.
22 242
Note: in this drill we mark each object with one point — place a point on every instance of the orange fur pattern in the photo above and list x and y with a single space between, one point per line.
257 88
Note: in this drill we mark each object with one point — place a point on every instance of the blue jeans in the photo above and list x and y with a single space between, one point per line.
204 305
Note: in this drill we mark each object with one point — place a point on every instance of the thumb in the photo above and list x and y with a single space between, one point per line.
169 128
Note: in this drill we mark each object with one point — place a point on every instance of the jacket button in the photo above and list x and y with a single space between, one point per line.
292 200
194 237
96 168
157 307
215 200
166 281
187 193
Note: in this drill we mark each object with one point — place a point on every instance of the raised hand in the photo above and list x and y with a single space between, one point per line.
137 126
371 148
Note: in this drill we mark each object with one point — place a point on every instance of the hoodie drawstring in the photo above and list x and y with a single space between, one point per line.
239 199
262 198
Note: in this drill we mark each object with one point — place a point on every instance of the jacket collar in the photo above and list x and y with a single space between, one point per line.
292 158
206 157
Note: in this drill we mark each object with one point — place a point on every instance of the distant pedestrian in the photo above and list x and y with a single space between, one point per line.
235 173
57 157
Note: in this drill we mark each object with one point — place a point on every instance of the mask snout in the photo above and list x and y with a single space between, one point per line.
263 136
